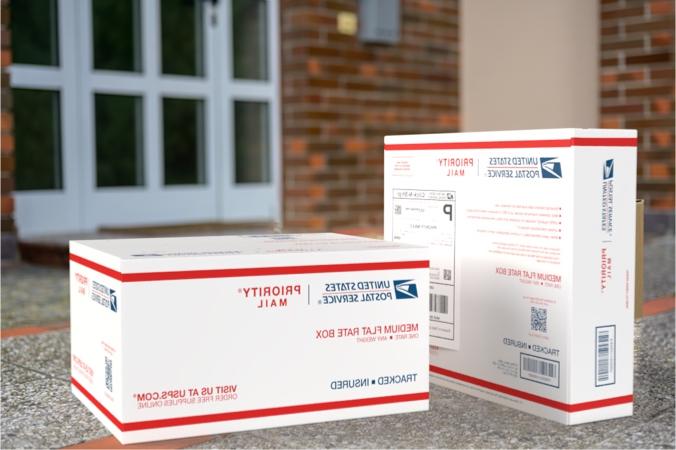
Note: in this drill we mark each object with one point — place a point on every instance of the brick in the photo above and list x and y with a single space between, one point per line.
7 141
6 38
649 58
316 191
661 7
623 108
313 66
635 75
368 70
316 223
658 24
632 11
664 105
658 74
659 170
622 45
317 161
297 146
662 39
5 17
7 205
649 91
649 123
356 145
662 203
7 184
656 186
5 57
611 122
662 138
7 121
449 120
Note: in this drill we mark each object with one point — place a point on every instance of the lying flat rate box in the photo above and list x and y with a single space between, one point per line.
532 263
180 337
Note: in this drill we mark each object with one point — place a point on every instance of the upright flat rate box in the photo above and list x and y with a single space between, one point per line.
532 269
187 336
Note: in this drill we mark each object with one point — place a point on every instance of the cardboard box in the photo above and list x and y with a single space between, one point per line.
532 268
188 336
640 230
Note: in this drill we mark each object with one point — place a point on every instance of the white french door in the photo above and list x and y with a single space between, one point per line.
162 111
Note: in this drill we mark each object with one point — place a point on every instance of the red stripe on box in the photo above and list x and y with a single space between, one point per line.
580 142
567 407
249 414
247 272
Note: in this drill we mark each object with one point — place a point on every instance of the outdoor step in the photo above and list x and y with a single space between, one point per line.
52 250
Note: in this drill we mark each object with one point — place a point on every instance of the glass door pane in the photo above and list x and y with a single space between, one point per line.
116 34
35 37
119 140
37 131
252 142
182 37
250 39
183 123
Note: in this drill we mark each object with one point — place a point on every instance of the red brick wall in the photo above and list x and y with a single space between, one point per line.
7 150
340 97
637 88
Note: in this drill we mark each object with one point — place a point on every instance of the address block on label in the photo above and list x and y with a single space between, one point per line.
181 337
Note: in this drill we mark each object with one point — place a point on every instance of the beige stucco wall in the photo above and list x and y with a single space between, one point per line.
528 64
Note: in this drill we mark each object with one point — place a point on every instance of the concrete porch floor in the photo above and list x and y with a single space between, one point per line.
38 410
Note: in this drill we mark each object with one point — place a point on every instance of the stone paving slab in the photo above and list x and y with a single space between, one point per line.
39 410
659 267
48 353
34 295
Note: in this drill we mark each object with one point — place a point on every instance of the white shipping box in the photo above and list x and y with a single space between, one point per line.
179 337
532 263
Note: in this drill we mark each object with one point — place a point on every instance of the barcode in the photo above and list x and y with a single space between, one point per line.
439 303
538 366
605 341
448 274
109 373
602 356
540 370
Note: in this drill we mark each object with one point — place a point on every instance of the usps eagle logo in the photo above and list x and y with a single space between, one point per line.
405 289
609 169
551 167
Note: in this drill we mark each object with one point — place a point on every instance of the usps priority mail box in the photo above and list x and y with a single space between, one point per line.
532 263
179 337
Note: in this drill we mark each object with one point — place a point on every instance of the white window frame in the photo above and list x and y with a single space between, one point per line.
80 205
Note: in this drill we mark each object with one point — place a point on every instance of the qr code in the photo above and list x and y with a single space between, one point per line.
397 209
448 275
109 373
538 319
